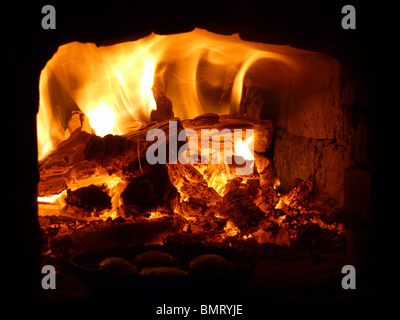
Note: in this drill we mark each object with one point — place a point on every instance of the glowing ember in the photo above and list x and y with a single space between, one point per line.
230 229
51 199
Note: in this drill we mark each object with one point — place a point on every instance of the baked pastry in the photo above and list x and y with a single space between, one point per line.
117 265
210 264
154 258
163 271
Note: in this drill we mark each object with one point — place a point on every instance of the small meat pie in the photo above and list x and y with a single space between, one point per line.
163 271
210 264
154 258
117 265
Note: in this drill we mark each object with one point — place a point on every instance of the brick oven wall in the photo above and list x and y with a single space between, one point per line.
314 136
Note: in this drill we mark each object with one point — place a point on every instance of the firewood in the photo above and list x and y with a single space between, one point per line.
251 104
79 121
164 110
270 194
191 184
148 190
226 93
51 185
89 198
263 135
84 154
300 194
159 88
139 136
66 151
265 169
206 119
274 235
240 208
109 146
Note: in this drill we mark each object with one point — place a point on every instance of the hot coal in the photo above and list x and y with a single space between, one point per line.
89 198
238 206
148 190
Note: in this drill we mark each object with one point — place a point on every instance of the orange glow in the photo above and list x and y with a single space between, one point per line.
243 149
230 229
277 183
218 181
51 199
147 84
206 78
120 78
102 120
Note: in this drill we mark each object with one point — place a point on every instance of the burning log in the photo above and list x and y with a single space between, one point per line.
300 194
79 121
226 93
109 146
206 119
164 110
48 186
67 152
265 169
139 136
55 168
263 129
251 104
82 146
191 184
91 198
274 235
238 207
148 191
263 135
267 199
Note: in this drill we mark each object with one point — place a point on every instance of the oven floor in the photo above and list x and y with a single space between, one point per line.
318 277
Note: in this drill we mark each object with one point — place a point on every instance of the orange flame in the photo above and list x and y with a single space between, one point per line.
102 119
112 85
244 149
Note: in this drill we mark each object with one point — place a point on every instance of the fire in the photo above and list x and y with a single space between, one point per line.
198 77
113 85
102 120
230 229
244 149
147 84
51 199
277 183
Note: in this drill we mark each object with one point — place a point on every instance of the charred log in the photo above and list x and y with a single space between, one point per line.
240 208
192 184
148 190
251 104
91 198
300 194
164 110
109 146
